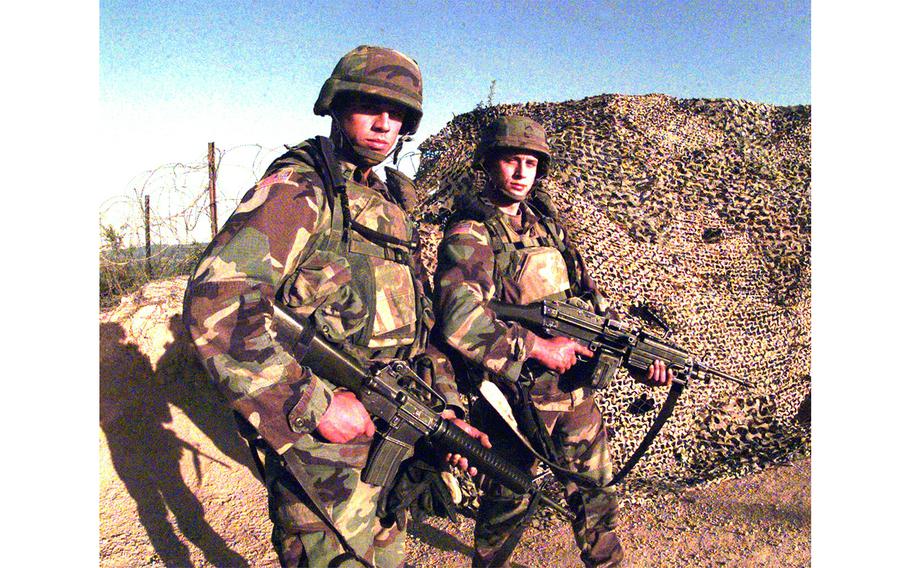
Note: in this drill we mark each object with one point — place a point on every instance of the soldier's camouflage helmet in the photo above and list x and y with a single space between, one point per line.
514 133
377 71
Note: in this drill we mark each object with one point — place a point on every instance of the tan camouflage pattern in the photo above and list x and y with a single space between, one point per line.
542 273
395 317
301 538
274 246
377 71
464 284
466 281
228 305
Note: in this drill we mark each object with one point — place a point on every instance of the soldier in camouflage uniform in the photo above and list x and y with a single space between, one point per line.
506 244
341 253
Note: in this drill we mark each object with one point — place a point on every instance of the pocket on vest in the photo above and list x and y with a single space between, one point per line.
395 318
541 273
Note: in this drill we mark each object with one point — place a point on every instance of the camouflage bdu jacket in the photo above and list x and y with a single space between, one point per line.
279 245
520 262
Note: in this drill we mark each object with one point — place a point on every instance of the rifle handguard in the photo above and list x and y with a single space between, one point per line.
457 441
608 338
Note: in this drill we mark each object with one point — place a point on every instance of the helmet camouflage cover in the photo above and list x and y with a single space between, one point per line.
514 133
377 71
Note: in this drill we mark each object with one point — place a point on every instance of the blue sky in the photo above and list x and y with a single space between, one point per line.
173 76
242 53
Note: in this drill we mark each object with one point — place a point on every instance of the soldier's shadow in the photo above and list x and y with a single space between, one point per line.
438 538
145 454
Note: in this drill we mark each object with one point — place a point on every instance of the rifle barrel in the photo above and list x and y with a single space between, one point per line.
730 378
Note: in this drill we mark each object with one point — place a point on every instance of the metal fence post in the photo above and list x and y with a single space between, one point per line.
148 237
213 208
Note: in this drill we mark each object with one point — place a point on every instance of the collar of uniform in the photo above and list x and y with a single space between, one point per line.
350 172
523 221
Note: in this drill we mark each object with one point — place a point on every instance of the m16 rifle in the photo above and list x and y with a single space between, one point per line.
404 408
613 342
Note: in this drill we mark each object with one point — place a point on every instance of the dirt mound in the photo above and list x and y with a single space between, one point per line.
177 485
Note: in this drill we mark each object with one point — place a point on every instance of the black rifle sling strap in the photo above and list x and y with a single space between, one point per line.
253 442
322 153
531 421
665 411
505 551
533 426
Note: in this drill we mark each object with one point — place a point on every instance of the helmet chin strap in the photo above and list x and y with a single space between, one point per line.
361 157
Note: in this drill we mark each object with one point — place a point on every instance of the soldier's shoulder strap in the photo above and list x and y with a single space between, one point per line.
318 154
321 152
296 157
402 188
543 205
469 206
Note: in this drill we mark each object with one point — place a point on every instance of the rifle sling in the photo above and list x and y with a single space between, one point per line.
665 411
505 551
253 442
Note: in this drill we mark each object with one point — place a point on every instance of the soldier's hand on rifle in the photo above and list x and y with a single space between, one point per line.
456 459
345 419
658 375
558 353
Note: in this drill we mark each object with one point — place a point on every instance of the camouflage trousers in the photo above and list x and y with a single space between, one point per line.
581 441
299 535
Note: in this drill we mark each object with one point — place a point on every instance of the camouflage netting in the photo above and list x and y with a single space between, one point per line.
699 211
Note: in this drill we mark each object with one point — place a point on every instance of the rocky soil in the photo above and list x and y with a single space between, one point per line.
759 520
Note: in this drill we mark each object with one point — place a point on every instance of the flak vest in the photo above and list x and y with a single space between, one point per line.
373 236
528 269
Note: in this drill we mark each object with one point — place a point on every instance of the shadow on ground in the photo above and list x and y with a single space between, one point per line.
135 400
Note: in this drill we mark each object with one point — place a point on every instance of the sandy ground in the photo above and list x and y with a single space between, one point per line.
183 499
759 520
177 486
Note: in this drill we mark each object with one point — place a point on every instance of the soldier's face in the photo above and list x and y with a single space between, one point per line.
514 174
372 123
